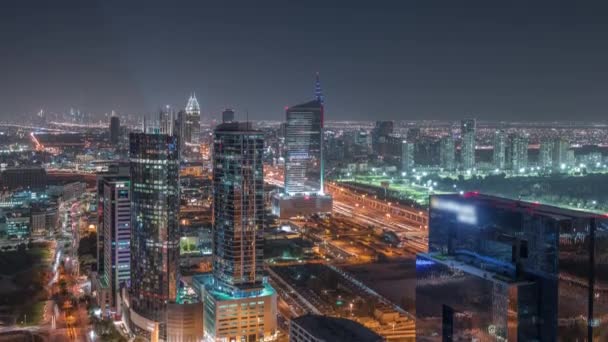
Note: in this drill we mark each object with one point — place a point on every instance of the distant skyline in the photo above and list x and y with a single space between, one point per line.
392 60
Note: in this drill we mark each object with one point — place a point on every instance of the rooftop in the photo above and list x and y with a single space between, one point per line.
336 329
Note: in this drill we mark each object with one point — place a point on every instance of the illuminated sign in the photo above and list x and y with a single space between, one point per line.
465 213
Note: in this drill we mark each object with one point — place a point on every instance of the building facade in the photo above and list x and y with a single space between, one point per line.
117 238
506 270
192 125
237 288
518 152
447 153
154 169
499 151
467 147
114 130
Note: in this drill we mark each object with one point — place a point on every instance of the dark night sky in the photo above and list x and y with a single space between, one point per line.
495 60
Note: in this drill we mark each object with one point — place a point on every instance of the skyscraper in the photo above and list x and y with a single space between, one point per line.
117 237
407 156
447 153
192 129
560 153
166 120
518 151
499 151
238 217
506 270
114 130
154 169
467 148
545 155
304 148
381 130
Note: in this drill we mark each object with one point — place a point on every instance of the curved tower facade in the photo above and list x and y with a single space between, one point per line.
154 168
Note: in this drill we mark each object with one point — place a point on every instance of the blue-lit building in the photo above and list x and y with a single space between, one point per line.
506 270
155 236
304 168
238 303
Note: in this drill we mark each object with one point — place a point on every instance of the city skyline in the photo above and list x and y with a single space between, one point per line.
539 62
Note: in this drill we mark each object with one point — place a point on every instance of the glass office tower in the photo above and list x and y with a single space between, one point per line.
468 128
238 304
154 164
501 270
304 148
238 206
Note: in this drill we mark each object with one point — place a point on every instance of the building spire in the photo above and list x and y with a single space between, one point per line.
318 93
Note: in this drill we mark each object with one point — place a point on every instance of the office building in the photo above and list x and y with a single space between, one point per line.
304 163
114 171
154 169
317 328
560 153
467 147
192 125
499 151
447 153
407 156
114 130
507 270
518 152
381 130
166 120
227 115
545 154
238 288
117 242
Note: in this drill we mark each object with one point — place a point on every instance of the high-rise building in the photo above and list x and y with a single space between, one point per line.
304 149
379 133
227 115
560 153
182 129
114 171
499 152
545 154
114 130
154 169
166 120
238 288
506 270
518 152
192 129
117 238
26 178
304 172
467 147
407 156
447 153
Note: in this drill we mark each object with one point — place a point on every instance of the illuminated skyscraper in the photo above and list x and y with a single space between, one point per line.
304 193
499 152
545 155
166 120
192 129
117 236
407 156
238 218
154 169
447 153
518 152
467 147
560 153
304 149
